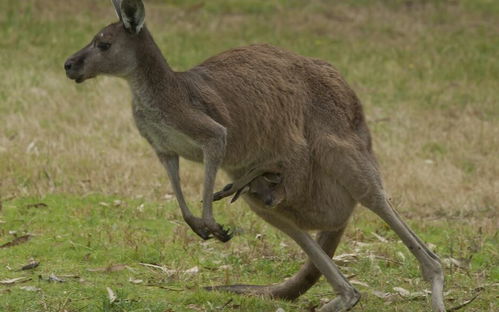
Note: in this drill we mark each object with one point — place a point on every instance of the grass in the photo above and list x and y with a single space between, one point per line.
82 236
426 71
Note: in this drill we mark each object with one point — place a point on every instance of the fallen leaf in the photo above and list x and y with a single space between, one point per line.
195 307
419 295
371 256
37 205
155 266
380 238
17 241
96 269
14 280
111 295
193 270
380 294
69 276
54 278
31 265
283 245
361 244
356 282
135 281
345 259
166 287
30 288
402 291
454 262
32 147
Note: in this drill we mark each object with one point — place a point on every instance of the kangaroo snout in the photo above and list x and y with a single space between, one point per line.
68 64
269 201
73 69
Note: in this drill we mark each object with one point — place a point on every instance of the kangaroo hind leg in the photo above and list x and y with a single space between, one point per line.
299 283
356 170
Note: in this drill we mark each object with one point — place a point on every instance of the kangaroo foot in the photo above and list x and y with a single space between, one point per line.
342 303
197 225
208 230
218 231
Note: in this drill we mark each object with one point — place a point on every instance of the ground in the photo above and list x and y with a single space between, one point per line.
82 194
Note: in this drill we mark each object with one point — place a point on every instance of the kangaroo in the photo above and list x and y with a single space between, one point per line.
250 106
264 187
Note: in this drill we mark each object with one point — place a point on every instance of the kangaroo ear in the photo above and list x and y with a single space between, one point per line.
117 8
273 178
133 15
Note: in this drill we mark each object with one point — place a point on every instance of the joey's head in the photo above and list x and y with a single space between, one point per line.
112 51
266 188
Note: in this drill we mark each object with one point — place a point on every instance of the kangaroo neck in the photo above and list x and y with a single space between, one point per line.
152 81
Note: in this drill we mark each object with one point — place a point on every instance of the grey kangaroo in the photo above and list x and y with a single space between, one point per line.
251 106
265 187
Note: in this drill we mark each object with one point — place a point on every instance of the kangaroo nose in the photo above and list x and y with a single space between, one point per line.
269 201
68 65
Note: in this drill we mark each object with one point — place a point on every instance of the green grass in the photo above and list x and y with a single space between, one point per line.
426 71
76 235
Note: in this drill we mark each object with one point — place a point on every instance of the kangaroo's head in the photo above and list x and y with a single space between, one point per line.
265 188
112 50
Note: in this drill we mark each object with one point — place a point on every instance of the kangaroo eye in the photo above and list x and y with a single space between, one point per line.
103 46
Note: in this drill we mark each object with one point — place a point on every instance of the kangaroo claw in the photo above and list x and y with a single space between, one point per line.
223 235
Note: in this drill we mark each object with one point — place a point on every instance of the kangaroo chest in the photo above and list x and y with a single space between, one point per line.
154 126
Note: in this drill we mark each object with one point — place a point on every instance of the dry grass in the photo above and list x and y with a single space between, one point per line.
432 103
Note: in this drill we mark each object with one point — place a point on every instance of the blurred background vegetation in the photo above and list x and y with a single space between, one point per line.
427 72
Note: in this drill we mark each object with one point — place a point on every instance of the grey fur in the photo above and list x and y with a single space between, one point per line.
131 13
117 8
